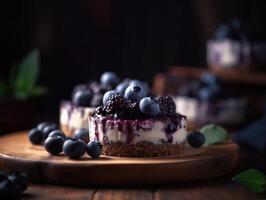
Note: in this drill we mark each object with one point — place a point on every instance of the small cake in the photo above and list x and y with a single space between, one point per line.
130 126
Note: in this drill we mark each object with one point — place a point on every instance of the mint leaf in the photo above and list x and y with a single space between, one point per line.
252 179
214 134
26 73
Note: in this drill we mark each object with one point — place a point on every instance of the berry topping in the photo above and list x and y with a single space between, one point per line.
121 87
167 106
107 95
149 106
74 149
100 111
135 93
96 100
35 136
196 139
54 144
109 80
114 104
82 134
93 149
82 98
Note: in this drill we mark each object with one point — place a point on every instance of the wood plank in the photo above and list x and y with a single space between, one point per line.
208 190
52 192
123 194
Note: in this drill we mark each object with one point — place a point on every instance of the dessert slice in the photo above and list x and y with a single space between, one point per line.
146 128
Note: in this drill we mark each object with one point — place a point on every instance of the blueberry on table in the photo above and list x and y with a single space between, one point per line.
42 125
107 96
74 149
9 190
93 149
47 130
149 106
54 144
57 133
135 93
82 134
20 179
196 139
82 98
109 80
3 176
35 136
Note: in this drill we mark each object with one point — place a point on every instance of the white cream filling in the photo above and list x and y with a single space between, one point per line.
155 133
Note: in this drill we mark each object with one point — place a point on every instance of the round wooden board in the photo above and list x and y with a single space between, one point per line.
17 153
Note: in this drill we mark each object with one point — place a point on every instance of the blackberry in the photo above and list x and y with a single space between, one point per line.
114 104
100 111
167 106
133 109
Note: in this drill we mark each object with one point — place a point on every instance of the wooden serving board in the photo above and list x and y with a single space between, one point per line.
17 153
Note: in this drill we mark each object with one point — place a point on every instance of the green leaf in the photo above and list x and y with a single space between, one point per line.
252 179
27 72
3 88
39 90
214 134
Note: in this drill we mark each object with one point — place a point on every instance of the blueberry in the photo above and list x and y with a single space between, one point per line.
3 176
35 136
97 100
135 93
20 179
93 149
149 106
42 125
196 139
107 95
74 149
54 144
82 98
57 133
121 87
209 93
143 84
209 79
9 190
109 79
48 129
82 134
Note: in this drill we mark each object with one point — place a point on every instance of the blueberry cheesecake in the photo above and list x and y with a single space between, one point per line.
74 113
134 124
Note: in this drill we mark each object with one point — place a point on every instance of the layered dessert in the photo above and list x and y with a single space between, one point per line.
205 101
134 125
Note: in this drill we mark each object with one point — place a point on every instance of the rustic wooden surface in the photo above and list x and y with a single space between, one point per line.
16 153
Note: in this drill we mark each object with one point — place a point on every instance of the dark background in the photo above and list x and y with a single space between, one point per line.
79 40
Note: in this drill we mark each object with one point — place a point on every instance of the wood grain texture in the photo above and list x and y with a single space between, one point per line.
17 153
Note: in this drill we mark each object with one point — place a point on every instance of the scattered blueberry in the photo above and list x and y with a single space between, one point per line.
149 106
42 125
135 93
20 179
9 190
35 136
3 176
57 133
109 79
196 139
48 129
82 134
74 149
107 95
82 98
54 144
93 149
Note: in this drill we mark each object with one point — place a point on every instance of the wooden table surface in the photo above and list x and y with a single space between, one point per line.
220 188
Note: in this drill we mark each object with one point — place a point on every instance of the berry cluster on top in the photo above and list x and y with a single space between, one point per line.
134 102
